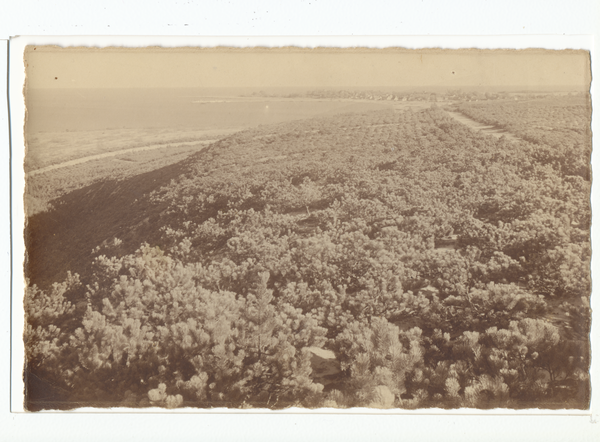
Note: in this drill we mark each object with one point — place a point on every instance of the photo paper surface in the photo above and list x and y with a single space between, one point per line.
328 228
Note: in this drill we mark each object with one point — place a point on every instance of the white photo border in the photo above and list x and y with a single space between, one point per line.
357 424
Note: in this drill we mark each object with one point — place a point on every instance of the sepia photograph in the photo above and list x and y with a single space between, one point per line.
328 228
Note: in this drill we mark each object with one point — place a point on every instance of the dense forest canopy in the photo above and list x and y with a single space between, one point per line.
440 266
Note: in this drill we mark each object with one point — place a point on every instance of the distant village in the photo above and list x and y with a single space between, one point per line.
451 95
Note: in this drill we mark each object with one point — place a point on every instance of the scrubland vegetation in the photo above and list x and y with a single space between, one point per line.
442 267
558 126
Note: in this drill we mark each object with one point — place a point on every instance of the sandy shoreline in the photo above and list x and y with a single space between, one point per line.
50 150
114 153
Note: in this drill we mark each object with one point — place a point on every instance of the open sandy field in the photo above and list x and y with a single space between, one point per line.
46 149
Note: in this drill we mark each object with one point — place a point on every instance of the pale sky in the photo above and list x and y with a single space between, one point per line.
53 67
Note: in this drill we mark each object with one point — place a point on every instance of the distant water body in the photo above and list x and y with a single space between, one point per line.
58 110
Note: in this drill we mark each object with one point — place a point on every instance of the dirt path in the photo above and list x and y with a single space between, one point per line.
115 153
489 130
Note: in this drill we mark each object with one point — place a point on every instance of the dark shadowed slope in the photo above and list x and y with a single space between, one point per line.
63 239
